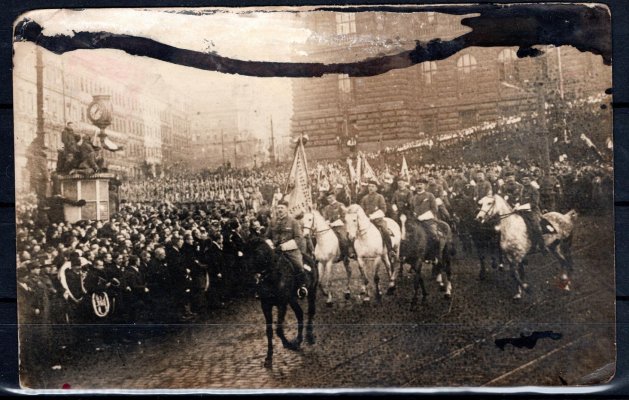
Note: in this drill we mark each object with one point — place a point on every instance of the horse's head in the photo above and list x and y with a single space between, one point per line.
259 254
487 208
308 223
351 221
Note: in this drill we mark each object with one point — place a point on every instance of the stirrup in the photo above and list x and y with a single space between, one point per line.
302 292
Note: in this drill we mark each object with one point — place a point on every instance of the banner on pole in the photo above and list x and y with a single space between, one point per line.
300 198
404 172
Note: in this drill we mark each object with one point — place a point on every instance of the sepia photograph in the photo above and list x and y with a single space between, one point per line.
360 197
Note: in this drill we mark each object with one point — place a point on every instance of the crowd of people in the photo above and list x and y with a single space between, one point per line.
172 252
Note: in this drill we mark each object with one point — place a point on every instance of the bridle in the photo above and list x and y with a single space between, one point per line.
311 227
361 231
500 217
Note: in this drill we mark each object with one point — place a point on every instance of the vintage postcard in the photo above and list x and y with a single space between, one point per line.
315 197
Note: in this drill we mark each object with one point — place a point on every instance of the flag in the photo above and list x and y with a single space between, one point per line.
367 171
300 198
404 172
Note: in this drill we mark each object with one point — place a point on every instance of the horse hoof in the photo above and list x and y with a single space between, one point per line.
310 339
517 297
329 304
293 346
366 300
482 276
447 296
390 290
347 295
442 288
268 363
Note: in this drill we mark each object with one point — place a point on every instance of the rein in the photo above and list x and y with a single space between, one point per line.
501 216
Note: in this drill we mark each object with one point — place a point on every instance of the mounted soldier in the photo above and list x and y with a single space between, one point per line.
334 215
483 187
529 209
425 210
285 233
402 199
375 206
511 191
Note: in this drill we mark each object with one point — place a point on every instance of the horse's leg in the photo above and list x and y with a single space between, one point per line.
483 268
418 282
392 273
566 248
267 309
312 302
281 315
327 282
376 277
348 271
446 264
515 267
364 287
299 314
555 248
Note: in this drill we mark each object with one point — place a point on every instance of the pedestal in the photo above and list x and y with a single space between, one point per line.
94 189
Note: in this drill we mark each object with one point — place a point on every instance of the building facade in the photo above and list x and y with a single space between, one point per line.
429 99
153 126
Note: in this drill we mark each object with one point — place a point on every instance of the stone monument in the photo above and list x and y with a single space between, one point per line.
92 187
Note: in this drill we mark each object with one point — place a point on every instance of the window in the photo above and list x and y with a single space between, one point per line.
429 68
345 23
506 65
466 63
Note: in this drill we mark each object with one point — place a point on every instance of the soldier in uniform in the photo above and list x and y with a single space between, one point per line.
511 190
530 196
402 198
425 209
334 214
483 187
373 202
285 233
441 197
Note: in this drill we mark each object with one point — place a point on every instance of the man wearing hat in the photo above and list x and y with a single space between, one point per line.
402 198
334 214
374 205
530 196
425 209
285 233
483 187
511 190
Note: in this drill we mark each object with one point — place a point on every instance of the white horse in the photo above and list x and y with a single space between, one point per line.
327 252
370 247
516 243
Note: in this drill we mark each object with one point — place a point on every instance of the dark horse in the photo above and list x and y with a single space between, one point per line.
484 237
414 250
276 288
